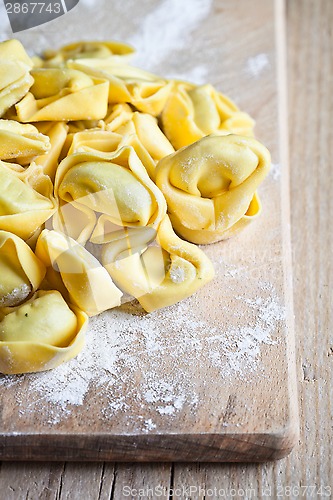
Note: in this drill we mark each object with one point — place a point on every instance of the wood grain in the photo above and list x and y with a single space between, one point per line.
309 59
232 396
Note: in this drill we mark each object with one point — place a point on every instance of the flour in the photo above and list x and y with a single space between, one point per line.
275 171
167 29
256 65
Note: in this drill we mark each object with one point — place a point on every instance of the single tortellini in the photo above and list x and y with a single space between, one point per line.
107 50
157 275
192 112
145 129
210 186
26 200
15 78
114 186
148 93
40 334
21 142
61 94
88 284
21 272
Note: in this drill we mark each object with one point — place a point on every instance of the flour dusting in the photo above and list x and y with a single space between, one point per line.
167 29
147 365
275 171
257 64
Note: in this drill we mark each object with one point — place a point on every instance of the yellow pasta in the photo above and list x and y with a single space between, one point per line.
15 79
26 200
210 186
114 185
145 130
62 95
20 270
146 92
97 153
115 51
192 112
40 334
21 143
88 284
158 276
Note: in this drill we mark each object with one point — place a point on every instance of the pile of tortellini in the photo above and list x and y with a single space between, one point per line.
109 176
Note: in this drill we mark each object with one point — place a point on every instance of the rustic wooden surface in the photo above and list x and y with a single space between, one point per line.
308 470
212 378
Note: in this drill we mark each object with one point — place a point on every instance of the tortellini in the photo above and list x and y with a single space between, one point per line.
26 200
210 186
40 334
21 143
114 186
95 50
15 77
146 92
20 270
151 144
87 282
104 167
193 112
158 275
61 94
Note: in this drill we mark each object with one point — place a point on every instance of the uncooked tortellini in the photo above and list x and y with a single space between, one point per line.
62 95
87 282
104 167
142 131
26 200
115 187
145 91
210 186
15 79
95 50
21 143
192 112
21 271
157 275
40 334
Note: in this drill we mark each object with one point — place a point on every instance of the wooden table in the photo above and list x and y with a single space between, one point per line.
307 472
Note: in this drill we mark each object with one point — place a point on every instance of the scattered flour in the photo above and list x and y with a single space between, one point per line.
257 64
167 28
275 171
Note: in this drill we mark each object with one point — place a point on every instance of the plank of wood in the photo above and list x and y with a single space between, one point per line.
203 399
310 463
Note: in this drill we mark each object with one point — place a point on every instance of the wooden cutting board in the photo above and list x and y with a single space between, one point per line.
212 378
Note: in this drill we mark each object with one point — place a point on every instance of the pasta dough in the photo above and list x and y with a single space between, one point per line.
158 276
88 284
20 270
192 112
40 334
210 186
